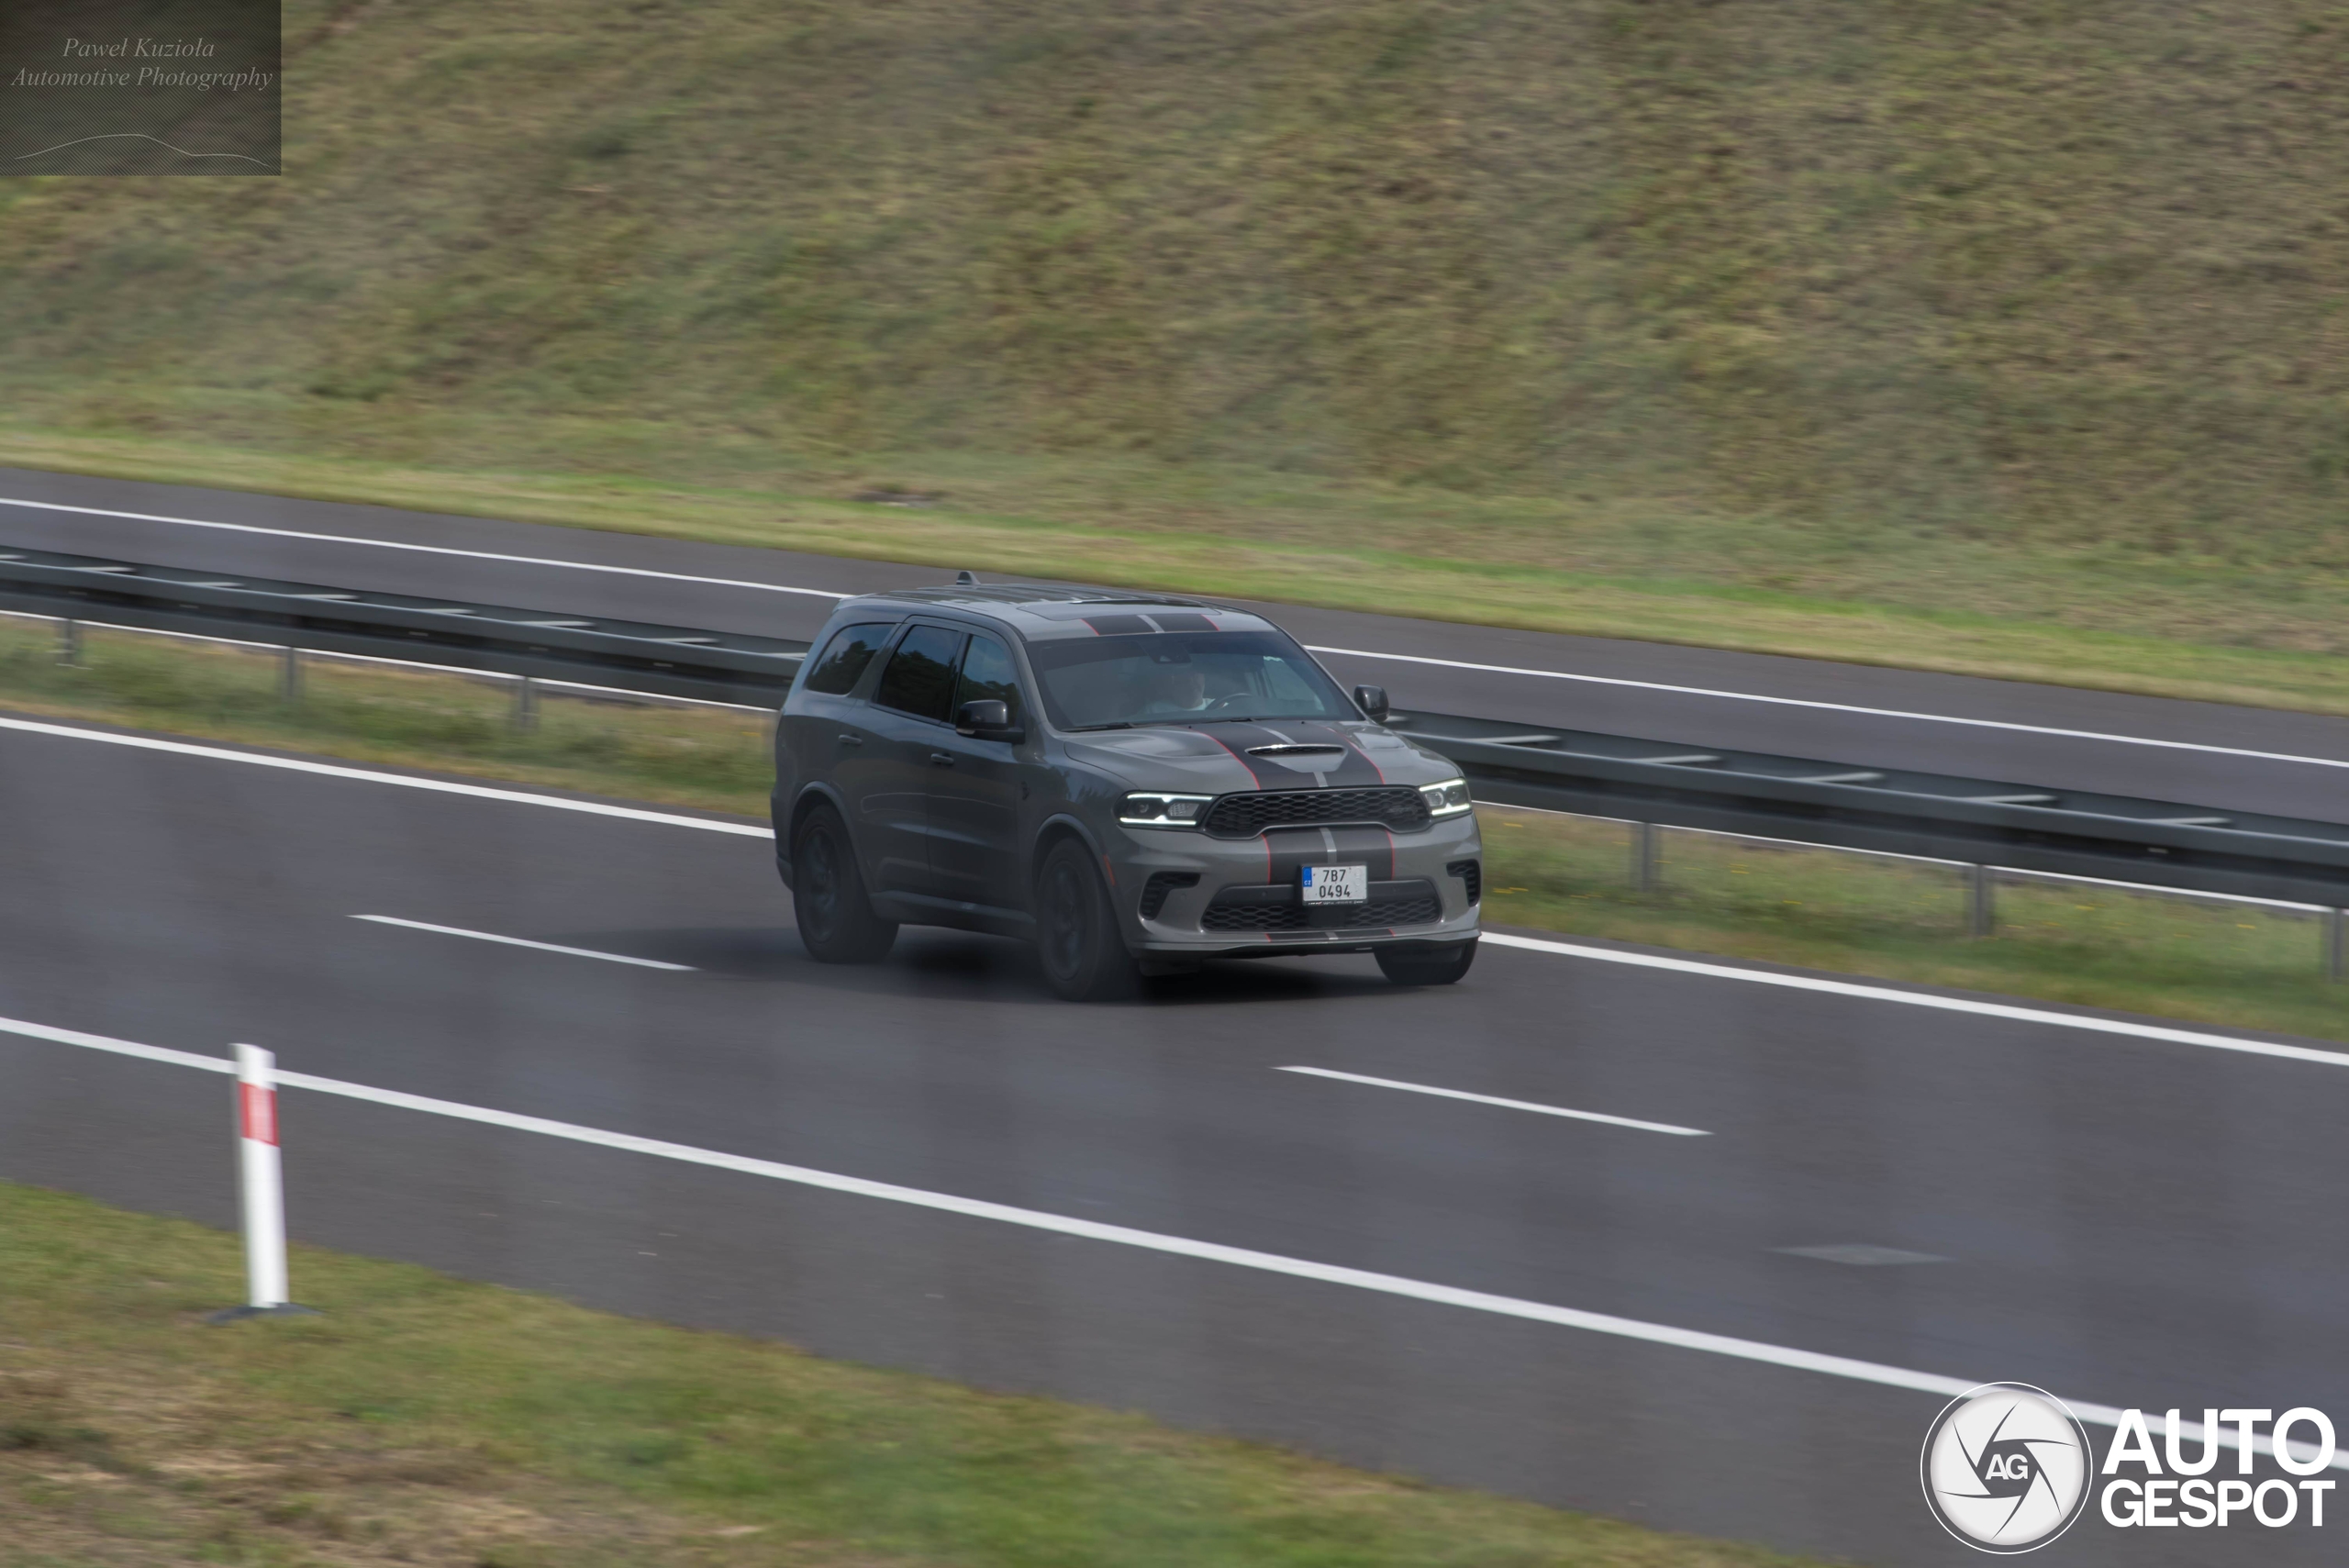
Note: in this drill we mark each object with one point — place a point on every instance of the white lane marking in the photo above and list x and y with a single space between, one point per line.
2338 1058
1841 707
368 775
1347 652
1495 1100
1091 1230
521 942
1571 950
119 1047
428 548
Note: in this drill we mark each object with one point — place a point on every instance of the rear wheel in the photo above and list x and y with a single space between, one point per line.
1427 965
836 918
1084 958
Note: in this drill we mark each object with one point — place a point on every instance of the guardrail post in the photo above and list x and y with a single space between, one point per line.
262 1185
1646 870
1981 912
525 705
289 675
68 642
2336 946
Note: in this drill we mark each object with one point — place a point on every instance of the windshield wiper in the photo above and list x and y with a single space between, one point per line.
1115 724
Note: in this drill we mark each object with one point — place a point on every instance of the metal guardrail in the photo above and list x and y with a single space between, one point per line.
667 661
1976 822
1934 815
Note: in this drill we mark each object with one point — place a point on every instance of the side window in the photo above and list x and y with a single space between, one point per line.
835 671
987 673
919 678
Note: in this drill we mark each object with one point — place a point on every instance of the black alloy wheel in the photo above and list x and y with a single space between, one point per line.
836 919
1083 955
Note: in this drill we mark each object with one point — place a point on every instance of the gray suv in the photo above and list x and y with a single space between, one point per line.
1133 783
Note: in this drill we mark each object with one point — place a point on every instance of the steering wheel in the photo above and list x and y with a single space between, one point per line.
1225 704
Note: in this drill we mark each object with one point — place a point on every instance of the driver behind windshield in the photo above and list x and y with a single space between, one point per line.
1174 690
1181 678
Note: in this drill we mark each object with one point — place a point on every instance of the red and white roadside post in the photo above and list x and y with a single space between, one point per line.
260 1180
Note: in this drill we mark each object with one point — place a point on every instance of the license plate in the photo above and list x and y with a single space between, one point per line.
1336 884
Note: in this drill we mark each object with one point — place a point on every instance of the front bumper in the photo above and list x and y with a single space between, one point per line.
1239 897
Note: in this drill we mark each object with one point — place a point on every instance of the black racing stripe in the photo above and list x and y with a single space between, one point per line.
1352 770
1291 850
1373 846
1349 770
1237 738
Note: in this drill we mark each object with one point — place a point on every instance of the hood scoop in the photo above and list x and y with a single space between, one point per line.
1299 752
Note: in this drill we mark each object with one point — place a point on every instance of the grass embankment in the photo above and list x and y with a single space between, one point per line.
1962 336
428 1421
2194 629
2238 966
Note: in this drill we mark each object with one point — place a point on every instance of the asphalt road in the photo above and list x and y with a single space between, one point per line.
653 585
2123 1221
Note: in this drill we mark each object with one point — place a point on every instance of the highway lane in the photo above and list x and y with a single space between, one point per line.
2123 1221
712 585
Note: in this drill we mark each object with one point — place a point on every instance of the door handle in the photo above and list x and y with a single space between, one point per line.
941 759
852 740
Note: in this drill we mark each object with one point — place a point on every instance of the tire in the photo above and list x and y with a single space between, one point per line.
1083 955
1427 965
836 918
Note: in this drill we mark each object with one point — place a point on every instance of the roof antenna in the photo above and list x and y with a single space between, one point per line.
964 580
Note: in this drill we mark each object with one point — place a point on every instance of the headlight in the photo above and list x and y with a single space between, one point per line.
1163 810
1447 800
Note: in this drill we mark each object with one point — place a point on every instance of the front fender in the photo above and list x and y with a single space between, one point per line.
787 823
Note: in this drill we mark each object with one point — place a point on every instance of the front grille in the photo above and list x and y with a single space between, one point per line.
1395 806
1417 906
1470 873
1161 883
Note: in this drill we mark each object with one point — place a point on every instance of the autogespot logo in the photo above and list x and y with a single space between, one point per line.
2006 1467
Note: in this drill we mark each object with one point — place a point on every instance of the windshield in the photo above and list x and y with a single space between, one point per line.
1181 678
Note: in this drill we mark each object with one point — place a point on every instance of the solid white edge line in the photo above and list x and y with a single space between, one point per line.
1569 950
1496 1100
1836 706
1923 999
369 775
426 549
1347 652
523 942
1094 1231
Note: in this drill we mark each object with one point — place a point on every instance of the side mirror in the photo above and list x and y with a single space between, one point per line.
1372 700
986 719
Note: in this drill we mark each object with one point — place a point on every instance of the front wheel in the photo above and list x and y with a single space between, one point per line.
1427 965
1084 958
836 918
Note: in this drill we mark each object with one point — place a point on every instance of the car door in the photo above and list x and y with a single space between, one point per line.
906 725
822 733
974 797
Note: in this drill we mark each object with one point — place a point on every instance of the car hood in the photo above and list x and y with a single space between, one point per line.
1218 758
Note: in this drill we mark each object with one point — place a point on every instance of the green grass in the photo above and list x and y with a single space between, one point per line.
645 751
1994 338
2235 965
425 1420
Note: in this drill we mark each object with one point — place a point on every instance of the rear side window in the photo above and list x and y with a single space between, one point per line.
987 673
919 679
835 673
